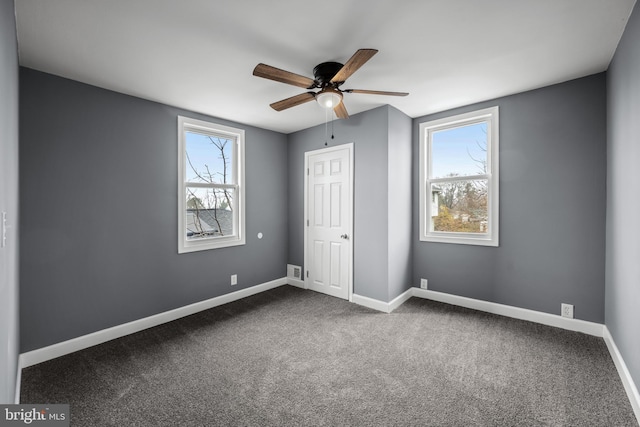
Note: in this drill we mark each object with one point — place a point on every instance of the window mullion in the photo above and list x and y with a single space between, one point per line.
210 185
459 178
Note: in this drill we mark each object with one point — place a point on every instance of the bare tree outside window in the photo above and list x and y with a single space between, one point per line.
209 207
462 200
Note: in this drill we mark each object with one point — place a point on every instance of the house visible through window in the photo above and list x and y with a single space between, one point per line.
459 179
211 172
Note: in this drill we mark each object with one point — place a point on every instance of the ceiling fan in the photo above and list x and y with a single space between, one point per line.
329 76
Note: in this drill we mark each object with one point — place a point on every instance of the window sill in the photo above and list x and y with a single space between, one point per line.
462 240
187 247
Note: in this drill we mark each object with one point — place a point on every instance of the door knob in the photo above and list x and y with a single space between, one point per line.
344 236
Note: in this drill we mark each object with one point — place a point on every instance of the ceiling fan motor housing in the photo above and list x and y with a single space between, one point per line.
324 72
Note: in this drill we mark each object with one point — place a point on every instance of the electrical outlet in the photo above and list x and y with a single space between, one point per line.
567 310
423 283
234 279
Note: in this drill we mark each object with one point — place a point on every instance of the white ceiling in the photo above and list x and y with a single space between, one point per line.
200 54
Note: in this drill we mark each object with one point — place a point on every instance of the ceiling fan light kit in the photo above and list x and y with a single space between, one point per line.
329 76
329 98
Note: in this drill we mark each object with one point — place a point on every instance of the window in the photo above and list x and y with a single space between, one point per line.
211 185
459 179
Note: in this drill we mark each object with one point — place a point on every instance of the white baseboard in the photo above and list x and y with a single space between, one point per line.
400 299
296 282
66 347
589 328
625 376
385 307
557 321
18 382
370 303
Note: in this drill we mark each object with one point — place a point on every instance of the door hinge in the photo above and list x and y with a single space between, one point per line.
307 171
307 223
307 274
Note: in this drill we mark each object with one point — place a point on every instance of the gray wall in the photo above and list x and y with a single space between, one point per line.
552 206
399 203
623 197
8 201
98 189
369 131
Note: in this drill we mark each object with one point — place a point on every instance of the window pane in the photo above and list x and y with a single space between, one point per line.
460 206
459 151
209 212
209 158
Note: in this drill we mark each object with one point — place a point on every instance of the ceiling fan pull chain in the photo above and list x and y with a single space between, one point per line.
326 131
332 120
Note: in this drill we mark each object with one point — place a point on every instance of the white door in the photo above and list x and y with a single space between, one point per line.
329 221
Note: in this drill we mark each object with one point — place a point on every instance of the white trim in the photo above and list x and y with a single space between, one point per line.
400 299
296 282
385 307
625 376
238 177
371 303
18 381
349 146
589 328
80 343
491 117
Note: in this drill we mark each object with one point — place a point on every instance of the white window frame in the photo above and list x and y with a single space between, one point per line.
489 116
187 124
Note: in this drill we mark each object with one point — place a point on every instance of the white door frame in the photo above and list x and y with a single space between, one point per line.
308 154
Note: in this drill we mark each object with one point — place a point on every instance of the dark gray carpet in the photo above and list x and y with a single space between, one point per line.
290 357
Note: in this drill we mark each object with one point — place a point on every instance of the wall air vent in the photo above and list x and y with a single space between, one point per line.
294 272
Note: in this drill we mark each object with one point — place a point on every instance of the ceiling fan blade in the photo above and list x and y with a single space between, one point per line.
351 66
282 76
376 92
341 111
293 101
